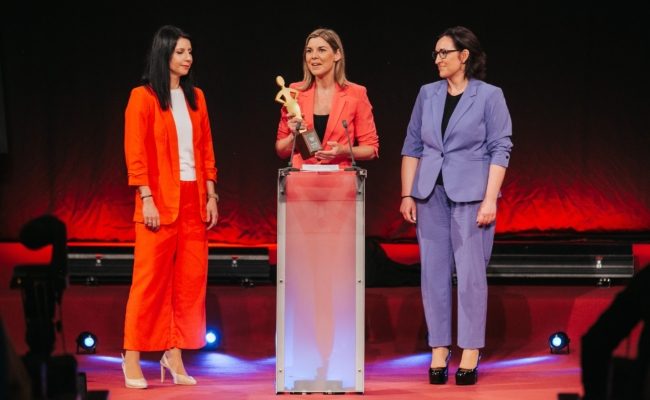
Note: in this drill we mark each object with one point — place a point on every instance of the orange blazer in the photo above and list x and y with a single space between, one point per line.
349 103
151 149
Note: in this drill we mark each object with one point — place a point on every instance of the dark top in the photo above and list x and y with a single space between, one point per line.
450 104
320 124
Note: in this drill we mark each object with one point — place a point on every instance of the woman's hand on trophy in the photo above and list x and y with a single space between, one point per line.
295 123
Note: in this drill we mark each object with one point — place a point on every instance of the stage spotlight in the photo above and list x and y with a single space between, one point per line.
558 342
86 343
212 339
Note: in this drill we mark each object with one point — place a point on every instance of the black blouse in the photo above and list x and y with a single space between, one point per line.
320 124
450 105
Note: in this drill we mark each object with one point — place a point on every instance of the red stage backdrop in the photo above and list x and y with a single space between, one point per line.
576 83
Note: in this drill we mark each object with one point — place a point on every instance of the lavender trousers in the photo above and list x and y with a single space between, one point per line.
449 237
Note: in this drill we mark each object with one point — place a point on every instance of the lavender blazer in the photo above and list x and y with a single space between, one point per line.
478 134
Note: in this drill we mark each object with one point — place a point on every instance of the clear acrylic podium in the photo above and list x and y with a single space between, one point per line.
320 282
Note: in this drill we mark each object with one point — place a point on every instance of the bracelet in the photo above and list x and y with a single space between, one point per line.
145 196
213 196
408 195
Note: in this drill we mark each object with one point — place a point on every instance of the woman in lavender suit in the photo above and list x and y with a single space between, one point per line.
455 156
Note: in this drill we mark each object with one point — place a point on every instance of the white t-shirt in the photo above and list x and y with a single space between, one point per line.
184 132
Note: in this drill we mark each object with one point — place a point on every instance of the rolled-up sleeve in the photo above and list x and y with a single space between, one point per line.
499 129
366 131
136 125
283 125
209 165
413 145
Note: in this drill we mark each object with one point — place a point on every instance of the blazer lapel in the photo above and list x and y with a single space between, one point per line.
438 104
172 137
195 117
306 101
338 102
465 103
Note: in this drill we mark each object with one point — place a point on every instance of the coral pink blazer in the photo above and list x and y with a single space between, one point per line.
349 103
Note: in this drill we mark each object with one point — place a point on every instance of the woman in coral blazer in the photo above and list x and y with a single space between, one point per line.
329 103
170 162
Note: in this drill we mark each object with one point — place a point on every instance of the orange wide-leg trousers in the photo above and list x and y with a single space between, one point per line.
166 306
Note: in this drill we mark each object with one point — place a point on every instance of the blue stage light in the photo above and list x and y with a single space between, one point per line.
86 343
558 342
89 341
212 339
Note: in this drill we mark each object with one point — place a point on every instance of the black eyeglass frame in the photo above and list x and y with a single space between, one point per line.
442 53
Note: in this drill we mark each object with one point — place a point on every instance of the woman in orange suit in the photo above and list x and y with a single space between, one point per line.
330 104
170 163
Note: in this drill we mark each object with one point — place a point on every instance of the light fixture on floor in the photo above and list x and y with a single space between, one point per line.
559 342
212 339
86 343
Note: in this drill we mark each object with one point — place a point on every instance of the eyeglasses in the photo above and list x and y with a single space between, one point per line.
442 53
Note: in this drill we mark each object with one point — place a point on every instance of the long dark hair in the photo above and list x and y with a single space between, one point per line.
156 72
463 38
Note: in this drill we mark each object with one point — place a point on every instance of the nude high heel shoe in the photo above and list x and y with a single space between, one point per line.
137 383
179 379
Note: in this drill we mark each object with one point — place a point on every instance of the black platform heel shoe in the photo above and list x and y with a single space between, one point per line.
468 376
438 376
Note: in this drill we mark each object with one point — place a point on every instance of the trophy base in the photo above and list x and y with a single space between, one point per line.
308 144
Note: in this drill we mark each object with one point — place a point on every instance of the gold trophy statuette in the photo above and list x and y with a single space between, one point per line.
308 142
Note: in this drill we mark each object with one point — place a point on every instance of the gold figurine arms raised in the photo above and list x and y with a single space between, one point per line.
288 97
307 141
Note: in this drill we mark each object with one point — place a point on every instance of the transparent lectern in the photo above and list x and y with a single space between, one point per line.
320 282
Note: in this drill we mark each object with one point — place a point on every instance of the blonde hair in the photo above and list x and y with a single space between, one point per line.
333 39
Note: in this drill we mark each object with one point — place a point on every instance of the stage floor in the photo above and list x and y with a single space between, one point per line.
524 375
516 362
